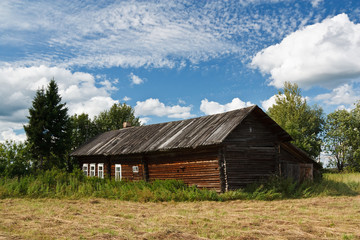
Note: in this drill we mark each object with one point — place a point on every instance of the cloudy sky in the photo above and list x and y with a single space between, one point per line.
172 60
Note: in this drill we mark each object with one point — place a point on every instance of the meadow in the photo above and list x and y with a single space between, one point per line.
62 185
327 209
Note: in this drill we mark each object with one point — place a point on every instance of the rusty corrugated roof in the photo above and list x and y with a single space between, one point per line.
189 133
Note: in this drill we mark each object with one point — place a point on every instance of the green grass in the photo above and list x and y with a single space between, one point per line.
59 184
343 177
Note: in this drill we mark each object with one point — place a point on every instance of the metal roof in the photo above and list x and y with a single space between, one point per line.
189 133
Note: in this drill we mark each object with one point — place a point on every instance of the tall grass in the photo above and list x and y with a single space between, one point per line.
59 184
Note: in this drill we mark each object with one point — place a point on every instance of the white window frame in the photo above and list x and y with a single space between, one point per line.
135 169
85 168
92 172
118 173
101 172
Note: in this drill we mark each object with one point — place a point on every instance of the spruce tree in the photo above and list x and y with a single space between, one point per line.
48 131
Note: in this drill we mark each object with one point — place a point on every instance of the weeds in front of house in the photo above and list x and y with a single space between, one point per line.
60 184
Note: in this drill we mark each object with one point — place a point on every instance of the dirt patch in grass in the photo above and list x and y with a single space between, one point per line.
314 218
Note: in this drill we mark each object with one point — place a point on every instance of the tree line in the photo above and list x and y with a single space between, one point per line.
336 135
52 134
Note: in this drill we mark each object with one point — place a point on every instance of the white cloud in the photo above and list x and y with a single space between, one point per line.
18 87
135 79
266 104
343 95
215 107
126 99
325 159
343 107
7 130
139 33
315 3
325 54
153 107
144 120
10 135
92 106
126 33
108 85
180 101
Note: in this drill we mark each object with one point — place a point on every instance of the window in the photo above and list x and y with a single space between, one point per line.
118 172
85 169
101 170
135 169
92 170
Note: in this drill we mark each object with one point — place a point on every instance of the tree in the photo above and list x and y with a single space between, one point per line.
14 159
113 119
83 128
48 131
302 122
337 138
342 138
355 136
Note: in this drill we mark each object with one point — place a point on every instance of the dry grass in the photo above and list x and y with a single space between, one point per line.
314 218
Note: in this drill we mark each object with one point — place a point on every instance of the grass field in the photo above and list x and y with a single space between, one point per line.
62 185
313 218
331 211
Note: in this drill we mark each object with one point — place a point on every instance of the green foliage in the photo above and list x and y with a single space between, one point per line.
113 119
82 129
60 184
338 131
355 138
14 159
302 122
48 129
342 139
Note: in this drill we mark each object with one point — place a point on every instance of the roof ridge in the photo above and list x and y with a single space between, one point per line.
187 133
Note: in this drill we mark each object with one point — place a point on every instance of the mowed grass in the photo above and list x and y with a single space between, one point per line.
312 218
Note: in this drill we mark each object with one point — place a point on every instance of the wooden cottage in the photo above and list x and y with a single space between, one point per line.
223 151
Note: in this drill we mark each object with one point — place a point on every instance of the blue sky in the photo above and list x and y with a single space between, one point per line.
173 60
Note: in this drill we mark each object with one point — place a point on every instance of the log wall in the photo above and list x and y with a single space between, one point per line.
194 167
198 167
127 164
287 157
250 153
94 159
292 166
